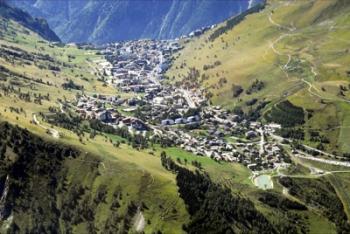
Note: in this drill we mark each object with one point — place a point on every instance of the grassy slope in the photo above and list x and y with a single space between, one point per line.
319 53
229 174
125 166
153 187
341 183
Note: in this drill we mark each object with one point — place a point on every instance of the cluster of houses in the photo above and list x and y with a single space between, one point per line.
195 119
137 66
219 140
176 113
248 148
96 108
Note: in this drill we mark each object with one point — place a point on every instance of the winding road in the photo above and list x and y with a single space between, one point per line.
61 108
54 133
327 161
285 66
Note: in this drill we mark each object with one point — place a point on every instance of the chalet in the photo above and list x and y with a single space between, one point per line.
105 116
132 102
251 134
180 121
194 118
165 122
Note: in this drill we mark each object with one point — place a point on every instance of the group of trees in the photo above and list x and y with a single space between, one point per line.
25 96
43 61
320 194
214 209
315 136
286 114
292 133
137 141
64 120
256 86
15 75
191 80
236 90
93 127
72 85
211 66
275 200
33 175
255 113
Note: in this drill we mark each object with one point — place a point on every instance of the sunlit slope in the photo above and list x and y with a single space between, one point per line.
101 165
31 64
299 50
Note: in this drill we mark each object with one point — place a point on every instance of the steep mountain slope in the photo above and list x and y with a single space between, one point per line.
106 21
291 50
39 26
62 181
51 187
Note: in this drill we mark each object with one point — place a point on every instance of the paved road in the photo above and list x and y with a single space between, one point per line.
262 141
327 161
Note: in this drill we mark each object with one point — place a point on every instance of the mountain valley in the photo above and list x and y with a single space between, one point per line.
241 128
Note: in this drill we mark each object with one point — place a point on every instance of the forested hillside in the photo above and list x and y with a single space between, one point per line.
48 187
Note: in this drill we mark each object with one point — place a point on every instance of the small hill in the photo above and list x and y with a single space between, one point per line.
285 50
37 25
